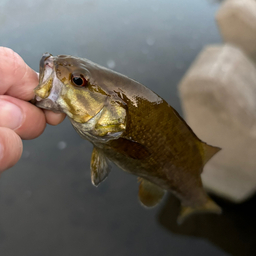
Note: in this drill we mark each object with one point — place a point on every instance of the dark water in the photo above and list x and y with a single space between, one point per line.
47 203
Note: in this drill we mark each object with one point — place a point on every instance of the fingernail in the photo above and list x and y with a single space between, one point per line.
1 151
11 115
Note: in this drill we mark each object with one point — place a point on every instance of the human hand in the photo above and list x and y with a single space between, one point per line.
19 119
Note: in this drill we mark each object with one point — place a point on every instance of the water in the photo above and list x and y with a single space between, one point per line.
47 203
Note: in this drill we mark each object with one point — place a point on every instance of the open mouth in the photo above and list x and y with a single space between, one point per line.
49 88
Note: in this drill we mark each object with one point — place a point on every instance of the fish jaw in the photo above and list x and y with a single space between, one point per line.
49 89
46 76
48 94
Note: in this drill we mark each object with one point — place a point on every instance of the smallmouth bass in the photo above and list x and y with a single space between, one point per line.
131 126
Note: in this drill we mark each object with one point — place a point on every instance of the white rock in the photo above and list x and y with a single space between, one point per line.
237 24
218 96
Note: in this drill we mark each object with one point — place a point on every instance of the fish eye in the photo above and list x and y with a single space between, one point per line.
78 80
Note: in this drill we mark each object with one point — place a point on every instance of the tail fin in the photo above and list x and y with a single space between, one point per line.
209 207
209 152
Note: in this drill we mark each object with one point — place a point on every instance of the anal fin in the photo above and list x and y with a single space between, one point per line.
209 207
149 193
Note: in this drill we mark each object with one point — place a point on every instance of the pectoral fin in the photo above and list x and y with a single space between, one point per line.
99 167
149 193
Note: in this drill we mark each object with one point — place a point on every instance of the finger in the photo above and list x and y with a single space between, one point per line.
10 148
18 80
54 118
16 77
25 119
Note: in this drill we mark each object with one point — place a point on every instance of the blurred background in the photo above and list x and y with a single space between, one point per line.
48 205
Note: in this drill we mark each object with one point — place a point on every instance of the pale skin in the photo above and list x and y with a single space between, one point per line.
19 119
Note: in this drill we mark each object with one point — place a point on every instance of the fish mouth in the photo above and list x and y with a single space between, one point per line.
47 104
50 102
49 88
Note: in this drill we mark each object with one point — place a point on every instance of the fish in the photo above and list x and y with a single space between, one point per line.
130 126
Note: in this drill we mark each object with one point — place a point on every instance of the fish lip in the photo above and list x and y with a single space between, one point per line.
37 98
47 104
48 69
44 57
56 87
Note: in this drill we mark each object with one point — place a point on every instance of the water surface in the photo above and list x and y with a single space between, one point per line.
48 205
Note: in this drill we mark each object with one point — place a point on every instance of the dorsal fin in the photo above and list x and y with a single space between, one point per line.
209 151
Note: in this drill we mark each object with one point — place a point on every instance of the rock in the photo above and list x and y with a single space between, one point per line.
218 96
237 23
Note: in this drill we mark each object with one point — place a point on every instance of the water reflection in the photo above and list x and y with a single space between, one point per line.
233 231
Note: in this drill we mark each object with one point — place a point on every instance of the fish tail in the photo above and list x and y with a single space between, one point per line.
209 152
209 207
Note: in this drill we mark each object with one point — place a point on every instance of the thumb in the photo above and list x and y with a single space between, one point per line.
10 148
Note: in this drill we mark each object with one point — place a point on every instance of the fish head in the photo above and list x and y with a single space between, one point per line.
66 85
